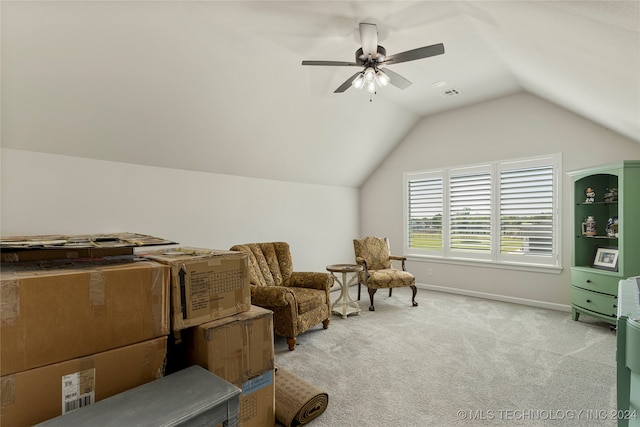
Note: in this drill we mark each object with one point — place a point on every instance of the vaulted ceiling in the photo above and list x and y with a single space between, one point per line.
218 86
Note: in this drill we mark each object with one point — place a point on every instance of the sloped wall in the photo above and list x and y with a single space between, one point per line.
515 126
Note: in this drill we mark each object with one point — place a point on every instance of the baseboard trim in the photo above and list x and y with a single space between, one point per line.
497 297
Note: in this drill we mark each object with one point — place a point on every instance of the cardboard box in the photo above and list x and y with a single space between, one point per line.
62 253
258 401
240 350
59 241
43 393
206 284
235 348
53 311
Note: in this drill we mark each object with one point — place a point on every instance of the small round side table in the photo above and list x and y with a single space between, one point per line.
345 305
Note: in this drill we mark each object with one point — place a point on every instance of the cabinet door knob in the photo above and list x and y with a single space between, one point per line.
588 300
588 280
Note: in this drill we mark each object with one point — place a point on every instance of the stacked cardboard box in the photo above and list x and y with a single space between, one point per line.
80 325
239 349
75 331
211 309
39 394
206 284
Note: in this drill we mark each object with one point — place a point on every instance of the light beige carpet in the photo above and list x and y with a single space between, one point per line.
458 361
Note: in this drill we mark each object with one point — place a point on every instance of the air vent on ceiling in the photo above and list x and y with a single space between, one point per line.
449 93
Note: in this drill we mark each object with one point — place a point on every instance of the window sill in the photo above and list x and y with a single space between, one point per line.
535 268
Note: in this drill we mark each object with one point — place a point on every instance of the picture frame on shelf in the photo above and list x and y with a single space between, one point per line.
605 258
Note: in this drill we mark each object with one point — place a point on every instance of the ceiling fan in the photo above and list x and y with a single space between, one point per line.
372 56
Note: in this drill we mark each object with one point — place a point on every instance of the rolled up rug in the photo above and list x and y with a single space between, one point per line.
297 401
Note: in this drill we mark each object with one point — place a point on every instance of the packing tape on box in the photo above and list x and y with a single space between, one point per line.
9 302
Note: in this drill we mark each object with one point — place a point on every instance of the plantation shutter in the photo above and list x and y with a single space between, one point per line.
425 203
526 211
500 212
470 212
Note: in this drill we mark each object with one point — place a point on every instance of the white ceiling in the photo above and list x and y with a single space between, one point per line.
218 86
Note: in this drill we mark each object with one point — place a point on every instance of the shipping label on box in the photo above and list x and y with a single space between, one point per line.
39 394
78 390
54 311
206 284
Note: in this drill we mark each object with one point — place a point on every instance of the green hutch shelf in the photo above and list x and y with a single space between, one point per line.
594 288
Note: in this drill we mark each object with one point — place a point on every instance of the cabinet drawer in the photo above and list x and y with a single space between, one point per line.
595 282
594 301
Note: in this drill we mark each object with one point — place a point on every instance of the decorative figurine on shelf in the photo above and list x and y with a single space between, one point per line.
612 227
610 195
589 226
591 195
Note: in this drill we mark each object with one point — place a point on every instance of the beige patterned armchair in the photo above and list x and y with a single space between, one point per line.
374 255
299 300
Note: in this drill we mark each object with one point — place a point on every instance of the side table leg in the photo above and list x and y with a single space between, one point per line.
344 305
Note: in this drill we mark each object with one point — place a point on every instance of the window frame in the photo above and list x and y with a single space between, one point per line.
494 258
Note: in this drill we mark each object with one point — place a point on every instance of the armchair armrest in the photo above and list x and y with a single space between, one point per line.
270 296
313 280
363 262
399 258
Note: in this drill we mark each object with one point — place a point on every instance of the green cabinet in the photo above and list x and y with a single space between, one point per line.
628 353
608 251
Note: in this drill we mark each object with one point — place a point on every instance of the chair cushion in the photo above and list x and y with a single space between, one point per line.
388 278
375 251
308 299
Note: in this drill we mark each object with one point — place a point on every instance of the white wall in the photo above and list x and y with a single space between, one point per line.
515 126
53 194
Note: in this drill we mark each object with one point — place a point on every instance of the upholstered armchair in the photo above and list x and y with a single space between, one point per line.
374 255
299 300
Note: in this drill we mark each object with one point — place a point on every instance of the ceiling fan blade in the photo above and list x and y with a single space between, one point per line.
369 39
412 55
346 85
396 79
331 63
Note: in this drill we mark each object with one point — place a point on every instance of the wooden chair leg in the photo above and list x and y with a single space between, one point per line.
325 323
371 294
292 343
413 297
390 289
359 284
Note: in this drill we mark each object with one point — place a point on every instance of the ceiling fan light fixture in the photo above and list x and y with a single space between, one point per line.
358 82
371 87
382 79
369 74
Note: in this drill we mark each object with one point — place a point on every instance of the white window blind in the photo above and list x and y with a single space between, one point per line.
527 211
425 204
470 212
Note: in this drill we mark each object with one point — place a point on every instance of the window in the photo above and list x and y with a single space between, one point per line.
503 212
425 199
